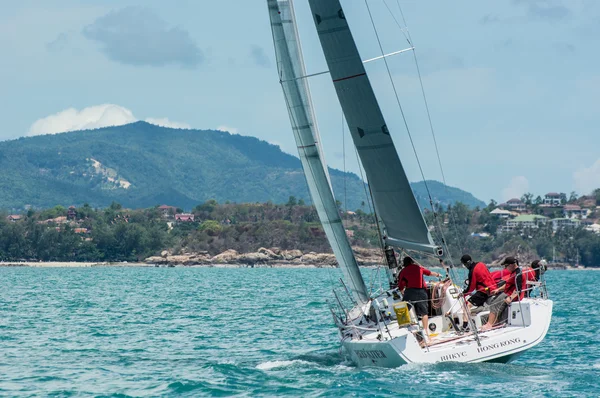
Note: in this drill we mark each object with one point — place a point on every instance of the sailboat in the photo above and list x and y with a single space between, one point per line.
379 328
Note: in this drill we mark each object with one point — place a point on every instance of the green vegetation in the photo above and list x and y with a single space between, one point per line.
118 234
467 231
142 165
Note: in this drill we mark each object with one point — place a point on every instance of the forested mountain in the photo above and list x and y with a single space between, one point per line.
443 195
142 165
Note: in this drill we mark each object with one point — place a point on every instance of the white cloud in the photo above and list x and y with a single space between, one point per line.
587 178
232 130
93 117
516 188
88 118
165 122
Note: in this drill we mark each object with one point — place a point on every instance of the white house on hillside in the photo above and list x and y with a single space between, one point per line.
574 211
552 199
501 213
526 221
560 223
516 204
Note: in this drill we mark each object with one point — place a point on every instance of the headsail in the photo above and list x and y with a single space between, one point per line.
394 200
297 95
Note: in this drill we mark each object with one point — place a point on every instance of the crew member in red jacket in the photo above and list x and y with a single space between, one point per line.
513 290
528 274
480 286
517 280
539 267
532 274
480 281
500 276
411 282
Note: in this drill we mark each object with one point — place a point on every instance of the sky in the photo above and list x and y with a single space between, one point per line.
512 86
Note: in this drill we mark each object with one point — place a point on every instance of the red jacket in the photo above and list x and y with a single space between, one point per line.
502 274
411 276
528 275
480 279
518 280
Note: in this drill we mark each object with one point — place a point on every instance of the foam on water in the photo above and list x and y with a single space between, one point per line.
269 365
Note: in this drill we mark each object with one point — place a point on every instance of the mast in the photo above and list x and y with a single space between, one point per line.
394 200
290 65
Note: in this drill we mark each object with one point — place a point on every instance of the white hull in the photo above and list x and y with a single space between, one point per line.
498 345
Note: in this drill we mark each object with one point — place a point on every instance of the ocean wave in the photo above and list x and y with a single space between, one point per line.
270 365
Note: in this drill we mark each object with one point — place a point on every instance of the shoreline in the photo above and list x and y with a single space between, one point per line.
70 264
275 264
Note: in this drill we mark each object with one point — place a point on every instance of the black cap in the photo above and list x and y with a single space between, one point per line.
407 261
535 264
510 260
465 259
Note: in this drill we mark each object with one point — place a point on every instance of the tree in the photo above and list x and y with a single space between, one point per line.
596 194
526 198
211 227
292 201
573 197
301 202
206 207
563 198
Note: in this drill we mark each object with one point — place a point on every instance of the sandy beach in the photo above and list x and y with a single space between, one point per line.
62 264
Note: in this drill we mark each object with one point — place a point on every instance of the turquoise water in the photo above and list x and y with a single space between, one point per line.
247 332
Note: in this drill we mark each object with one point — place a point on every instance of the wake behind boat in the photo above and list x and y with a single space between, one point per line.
379 328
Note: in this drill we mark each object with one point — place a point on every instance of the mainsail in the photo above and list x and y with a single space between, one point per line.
394 200
291 69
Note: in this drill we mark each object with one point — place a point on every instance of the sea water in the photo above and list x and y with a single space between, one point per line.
249 332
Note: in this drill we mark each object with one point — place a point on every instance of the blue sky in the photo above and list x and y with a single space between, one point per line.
512 85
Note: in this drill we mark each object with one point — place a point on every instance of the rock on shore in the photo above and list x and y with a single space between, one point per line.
273 257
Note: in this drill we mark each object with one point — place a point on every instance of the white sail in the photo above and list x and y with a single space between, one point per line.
291 69
394 200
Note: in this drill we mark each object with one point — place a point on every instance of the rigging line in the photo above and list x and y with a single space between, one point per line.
428 118
404 29
364 62
408 37
452 214
344 160
369 197
397 97
306 103
378 227
405 123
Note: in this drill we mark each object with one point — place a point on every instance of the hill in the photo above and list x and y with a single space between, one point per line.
142 165
443 195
